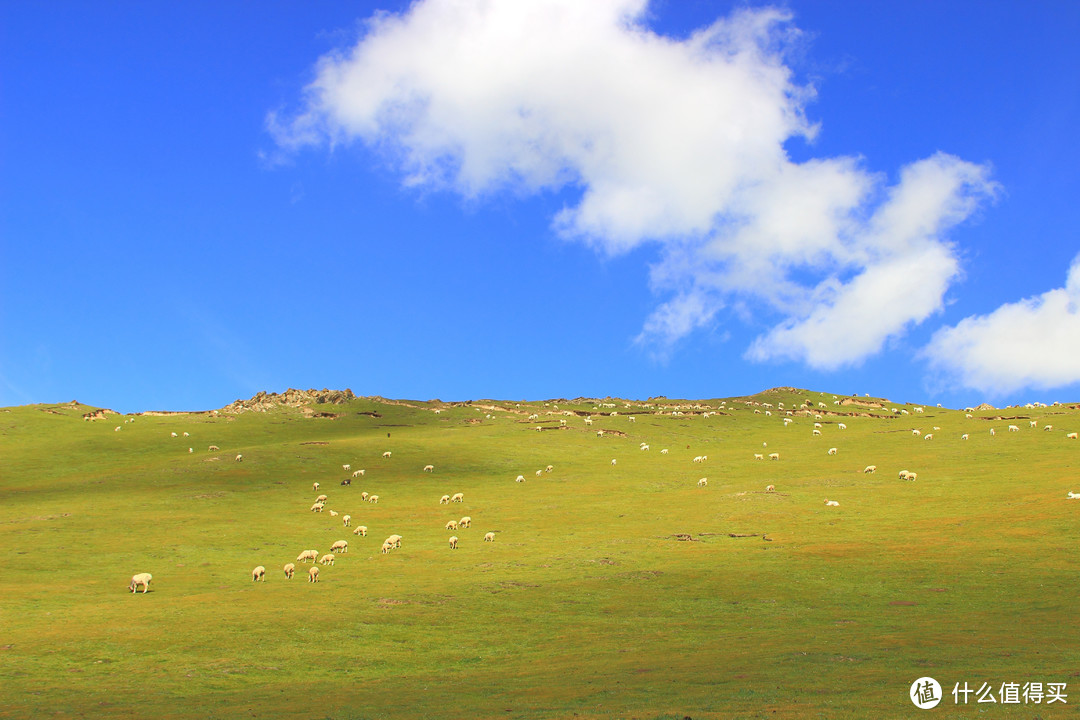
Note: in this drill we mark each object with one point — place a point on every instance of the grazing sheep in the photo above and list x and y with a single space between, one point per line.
373 499
457 497
698 459
465 522
588 421
993 433
306 555
357 473
903 474
387 547
1014 428
360 530
1048 428
346 482
817 432
174 434
870 469
832 451
1074 496
452 525
340 546
315 487
259 573
538 472
612 461
327 559
346 467
490 537
394 540
964 436
289 570
912 476
347 520
599 433
644 446
453 542
916 432
317 507
928 436
429 468
817 425
313 574
213 448
187 435
774 456
239 458
1071 436
364 496
386 454
832 503
703 482
549 468
770 488
759 456
664 451
142 579
1034 423
321 498
333 513
841 426
969 416
191 450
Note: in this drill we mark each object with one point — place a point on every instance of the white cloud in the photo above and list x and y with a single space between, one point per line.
668 141
1033 343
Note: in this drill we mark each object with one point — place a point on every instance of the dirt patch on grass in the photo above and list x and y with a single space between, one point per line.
315 442
390 602
682 537
641 574
208 496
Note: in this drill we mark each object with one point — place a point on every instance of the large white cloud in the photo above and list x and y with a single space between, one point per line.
1031 343
678 142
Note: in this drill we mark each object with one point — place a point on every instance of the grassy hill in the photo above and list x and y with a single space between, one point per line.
610 590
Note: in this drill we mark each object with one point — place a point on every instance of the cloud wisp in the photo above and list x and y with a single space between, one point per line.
677 142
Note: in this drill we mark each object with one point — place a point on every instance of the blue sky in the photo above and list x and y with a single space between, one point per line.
538 201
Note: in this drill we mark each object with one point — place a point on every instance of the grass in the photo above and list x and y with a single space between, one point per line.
585 605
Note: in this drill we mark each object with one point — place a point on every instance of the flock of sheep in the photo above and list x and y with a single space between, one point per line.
393 541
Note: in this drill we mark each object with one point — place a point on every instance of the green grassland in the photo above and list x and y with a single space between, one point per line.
587 604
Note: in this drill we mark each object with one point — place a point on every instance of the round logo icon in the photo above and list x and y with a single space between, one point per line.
925 693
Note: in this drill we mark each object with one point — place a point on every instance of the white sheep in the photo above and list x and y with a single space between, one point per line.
347 520
599 433
1074 496
373 499
317 507
386 454
1048 428
770 488
312 555
394 540
664 451
327 559
964 436
538 473
588 421
452 525
841 426
187 435
213 448
549 468
870 469
1034 423
174 434
759 456
465 522
644 446
142 579
631 418
916 432
313 574
289 570
832 503
364 496
387 547
703 482
817 432
1071 436
993 433
612 461
817 425
360 530
774 456
341 546
191 450
453 542
928 436
457 497
429 468
444 500
832 451
1014 428
489 537
333 513
259 573
357 473
321 498
346 467
239 458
